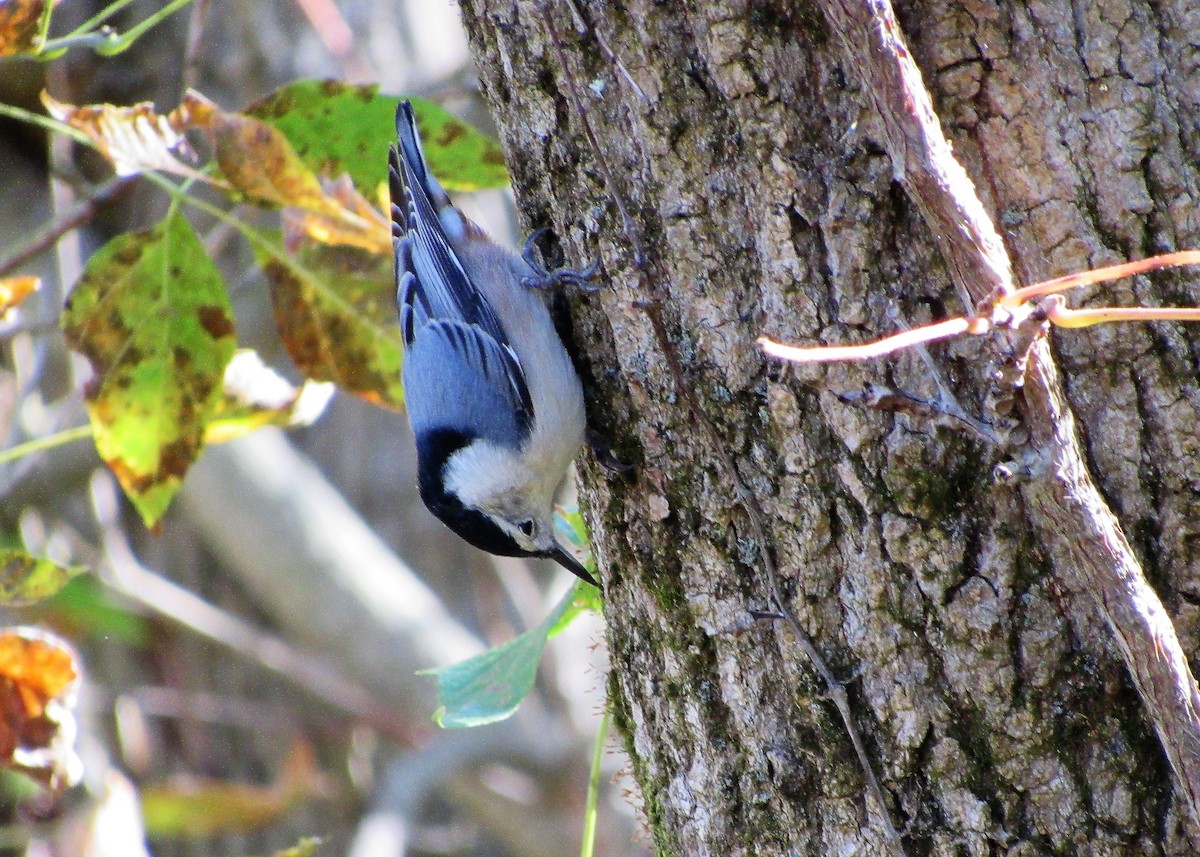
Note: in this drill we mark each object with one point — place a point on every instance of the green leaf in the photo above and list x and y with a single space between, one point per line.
26 579
490 686
88 608
208 808
306 847
337 127
336 314
585 598
152 315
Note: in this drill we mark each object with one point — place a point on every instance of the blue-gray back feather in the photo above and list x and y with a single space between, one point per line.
487 404
460 372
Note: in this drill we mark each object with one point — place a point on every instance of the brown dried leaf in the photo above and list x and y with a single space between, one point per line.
38 679
19 26
358 223
134 138
335 312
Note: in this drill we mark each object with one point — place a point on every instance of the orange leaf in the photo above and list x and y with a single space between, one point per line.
13 290
19 25
38 679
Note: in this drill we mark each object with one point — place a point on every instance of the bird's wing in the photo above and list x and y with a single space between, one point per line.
487 397
458 365
444 290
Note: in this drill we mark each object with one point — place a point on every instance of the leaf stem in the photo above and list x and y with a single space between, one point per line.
105 41
593 793
44 26
99 18
48 442
45 122
133 34
178 193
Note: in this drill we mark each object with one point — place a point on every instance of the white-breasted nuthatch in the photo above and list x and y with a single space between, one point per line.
492 396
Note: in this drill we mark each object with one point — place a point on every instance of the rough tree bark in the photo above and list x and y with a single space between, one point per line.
768 179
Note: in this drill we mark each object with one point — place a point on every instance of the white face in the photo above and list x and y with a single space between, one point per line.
499 483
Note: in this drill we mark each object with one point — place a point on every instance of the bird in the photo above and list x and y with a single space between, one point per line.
492 396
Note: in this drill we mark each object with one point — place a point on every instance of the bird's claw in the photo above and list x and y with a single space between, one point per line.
544 278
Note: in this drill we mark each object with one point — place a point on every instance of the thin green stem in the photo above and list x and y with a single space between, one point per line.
105 41
55 48
46 122
44 25
48 442
99 18
132 35
254 236
593 793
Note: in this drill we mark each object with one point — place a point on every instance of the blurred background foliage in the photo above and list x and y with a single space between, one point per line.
243 675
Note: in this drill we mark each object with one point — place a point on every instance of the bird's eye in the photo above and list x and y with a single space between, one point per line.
526 527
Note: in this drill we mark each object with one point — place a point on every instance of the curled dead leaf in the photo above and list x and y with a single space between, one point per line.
357 224
39 678
135 138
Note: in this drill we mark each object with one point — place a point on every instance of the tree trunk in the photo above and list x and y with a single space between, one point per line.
1007 670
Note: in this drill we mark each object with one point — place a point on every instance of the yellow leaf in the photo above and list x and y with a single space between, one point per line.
357 224
13 290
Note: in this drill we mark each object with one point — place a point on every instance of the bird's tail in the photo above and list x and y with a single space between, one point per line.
407 163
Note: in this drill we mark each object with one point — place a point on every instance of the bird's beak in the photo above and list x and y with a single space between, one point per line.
567 560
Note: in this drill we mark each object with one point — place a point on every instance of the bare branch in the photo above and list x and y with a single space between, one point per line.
922 159
1085 536
1070 512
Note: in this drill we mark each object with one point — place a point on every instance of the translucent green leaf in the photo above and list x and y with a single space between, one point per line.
337 127
152 315
88 608
490 686
585 598
304 848
26 579
335 308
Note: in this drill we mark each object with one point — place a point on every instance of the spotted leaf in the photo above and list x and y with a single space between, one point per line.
335 311
26 579
152 315
336 127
